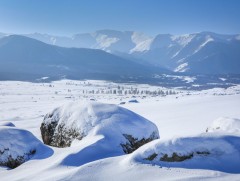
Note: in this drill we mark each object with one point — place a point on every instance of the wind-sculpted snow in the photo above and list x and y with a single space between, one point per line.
99 155
18 145
7 124
122 131
225 125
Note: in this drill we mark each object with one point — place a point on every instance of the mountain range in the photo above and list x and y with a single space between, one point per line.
122 53
29 58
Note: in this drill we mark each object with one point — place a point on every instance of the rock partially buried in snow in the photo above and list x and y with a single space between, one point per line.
122 128
206 151
225 124
16 146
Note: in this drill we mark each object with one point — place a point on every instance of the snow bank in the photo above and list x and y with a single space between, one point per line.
7 124
17 146
225 125
207 151
218 149
120 128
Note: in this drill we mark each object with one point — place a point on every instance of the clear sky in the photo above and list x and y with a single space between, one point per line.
67 17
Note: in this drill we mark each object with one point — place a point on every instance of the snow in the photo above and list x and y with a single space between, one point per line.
187 79
225 125
44 78
53 40
182 67
183 40
7 124
142 46
106 120
207 151
207 40
138 37
223 79
17 142
104 41
182 120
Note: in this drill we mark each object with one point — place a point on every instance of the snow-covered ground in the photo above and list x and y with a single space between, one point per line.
182 118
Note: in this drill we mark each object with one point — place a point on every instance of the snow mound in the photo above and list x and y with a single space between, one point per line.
225 124
17 146
207 151
10 124
121 130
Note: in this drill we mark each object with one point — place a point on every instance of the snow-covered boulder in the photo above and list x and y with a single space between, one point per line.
225 125
17 146
121 128
207 151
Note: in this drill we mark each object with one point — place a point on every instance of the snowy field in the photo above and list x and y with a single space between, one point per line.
181 116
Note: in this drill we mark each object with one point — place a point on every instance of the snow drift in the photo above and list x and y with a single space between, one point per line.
120 130
7 124
225 125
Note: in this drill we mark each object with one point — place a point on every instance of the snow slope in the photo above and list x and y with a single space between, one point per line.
225 125
180 121
203 52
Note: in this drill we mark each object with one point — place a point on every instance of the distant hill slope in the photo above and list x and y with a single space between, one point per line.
30 59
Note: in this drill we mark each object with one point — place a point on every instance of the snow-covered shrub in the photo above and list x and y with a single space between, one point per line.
121 128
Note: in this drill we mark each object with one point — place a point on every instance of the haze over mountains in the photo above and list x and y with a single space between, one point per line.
26 57
129 53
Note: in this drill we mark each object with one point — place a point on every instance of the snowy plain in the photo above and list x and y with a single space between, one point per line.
185 114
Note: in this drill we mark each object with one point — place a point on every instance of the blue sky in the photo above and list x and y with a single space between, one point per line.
67 17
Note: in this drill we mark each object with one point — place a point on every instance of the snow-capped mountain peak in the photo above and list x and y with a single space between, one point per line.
196 52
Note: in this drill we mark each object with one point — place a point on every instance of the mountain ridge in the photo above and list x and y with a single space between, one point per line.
178 53
19 54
